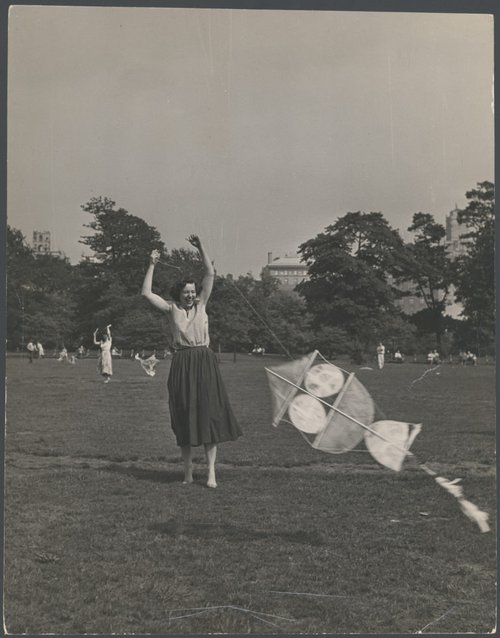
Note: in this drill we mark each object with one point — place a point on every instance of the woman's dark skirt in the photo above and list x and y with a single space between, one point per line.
199 407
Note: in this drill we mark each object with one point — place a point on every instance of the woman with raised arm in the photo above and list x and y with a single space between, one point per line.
104 361
199 407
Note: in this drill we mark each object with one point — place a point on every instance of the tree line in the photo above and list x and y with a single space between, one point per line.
359 270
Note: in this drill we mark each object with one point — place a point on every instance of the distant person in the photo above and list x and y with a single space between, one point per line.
80 352
63 354
380 355
31 348
436 359
462 357
471 358
40 350
199 406
104 361
398 356
115 352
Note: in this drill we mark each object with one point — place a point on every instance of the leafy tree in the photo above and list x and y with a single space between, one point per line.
479 214
427 265
40 301
475 272
291 323
51 319
246 312
20 271
121 242
331 341
141 327
349 265
108 284
230 317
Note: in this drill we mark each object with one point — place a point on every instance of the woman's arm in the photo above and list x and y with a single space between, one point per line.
208 278
146 291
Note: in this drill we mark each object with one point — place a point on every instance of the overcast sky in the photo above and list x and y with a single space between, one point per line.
254 129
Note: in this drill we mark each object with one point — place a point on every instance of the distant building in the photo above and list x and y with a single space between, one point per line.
41 245
455 244
41 242
288 270
455 247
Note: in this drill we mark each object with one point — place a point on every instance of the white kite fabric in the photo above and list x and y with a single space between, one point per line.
148 365
334 413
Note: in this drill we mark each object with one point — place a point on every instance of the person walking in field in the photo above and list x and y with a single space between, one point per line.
31 348
200 411
104 361
40 350
380 355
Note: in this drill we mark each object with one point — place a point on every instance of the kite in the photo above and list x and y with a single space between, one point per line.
334 413
148 365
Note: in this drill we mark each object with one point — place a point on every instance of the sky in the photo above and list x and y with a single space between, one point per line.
255 129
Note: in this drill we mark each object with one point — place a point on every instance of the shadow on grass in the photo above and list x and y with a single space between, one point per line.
156 476
234 533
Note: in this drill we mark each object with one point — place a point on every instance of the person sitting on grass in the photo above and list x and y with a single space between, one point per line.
200 411
398 356
104 361
471 358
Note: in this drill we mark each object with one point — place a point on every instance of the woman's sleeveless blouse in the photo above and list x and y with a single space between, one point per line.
188 328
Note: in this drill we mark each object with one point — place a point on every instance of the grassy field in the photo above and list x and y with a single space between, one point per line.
101 536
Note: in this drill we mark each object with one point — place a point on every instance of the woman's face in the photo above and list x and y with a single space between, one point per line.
188 296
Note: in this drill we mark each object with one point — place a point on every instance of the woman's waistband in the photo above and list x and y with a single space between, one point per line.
183 348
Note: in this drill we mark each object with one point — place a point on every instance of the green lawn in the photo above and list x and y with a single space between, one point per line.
102 537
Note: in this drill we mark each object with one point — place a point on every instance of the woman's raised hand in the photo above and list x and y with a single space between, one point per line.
155 256
194 240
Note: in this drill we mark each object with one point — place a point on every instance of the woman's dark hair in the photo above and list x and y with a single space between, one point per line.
178 287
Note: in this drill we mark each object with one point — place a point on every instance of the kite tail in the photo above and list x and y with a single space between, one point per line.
469 509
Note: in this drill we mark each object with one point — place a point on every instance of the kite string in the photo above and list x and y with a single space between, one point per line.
261 318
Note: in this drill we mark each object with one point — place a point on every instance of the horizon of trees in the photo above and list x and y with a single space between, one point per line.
348 304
